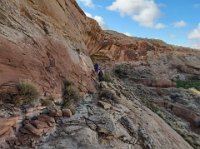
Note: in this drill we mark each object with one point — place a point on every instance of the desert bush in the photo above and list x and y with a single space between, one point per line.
28 93
106 77
71 95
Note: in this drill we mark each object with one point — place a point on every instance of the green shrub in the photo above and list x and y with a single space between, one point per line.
28 93
188 84
106 77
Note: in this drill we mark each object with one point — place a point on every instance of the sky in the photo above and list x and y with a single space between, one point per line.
176 22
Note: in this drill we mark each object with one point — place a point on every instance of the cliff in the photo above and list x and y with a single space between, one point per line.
43 42
49 42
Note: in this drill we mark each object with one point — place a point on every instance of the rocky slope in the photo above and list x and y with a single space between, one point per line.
50 42
111 124
178 106
100 122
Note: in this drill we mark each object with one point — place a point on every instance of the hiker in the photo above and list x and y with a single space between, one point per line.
100 75
96 67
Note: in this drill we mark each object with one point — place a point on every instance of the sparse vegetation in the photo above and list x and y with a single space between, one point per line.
119 72
150 105
71 95
106 77
48 102
187 84
28 93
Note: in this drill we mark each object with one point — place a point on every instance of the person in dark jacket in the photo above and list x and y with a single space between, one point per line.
96 67
100 75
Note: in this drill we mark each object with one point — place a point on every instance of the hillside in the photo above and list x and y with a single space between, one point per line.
50 97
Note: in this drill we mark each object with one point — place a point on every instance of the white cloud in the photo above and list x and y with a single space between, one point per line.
88 14
88 3
128 34
160 26
180 24
99 19
145 12
194 37
195 33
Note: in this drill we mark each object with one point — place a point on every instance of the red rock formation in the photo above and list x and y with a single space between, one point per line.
42 41
48 42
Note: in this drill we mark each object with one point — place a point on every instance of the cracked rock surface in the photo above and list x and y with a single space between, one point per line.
126 125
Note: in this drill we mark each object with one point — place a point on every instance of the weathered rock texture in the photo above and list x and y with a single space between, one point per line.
124 125
43 41
50 41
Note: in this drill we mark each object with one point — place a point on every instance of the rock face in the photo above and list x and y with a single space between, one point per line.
118 47
49 42
43 42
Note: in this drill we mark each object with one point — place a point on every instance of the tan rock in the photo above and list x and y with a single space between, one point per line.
103 85
4 130
6 125
104 105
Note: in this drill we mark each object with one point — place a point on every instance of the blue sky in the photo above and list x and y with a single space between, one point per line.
173 21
